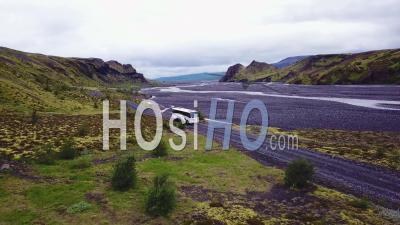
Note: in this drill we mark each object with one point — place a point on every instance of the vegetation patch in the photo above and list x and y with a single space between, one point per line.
79 207
299 173
68 150
46 155
124 175
19 216
59 195
211 186
81 163
161 198
162 149
360 203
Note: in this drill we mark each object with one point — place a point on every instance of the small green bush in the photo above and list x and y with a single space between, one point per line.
200 115
299 173
68 150
360 203
166 125
394 159
161 198
79 207
83 130
380 153
161 150
34 117
47 85
124 175
254 221
81 163
46 155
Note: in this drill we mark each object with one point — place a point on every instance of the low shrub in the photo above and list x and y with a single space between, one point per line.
68 150
161 198
360 203
161 150
299 173
201 116
179 124
255 221
380 153
46 155
124 175
166 125
395 159
34 117
81 163
83 130
79 207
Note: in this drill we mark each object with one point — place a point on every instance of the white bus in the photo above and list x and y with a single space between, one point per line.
186 115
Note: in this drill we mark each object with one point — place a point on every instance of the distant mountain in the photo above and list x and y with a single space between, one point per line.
288 61
196 77
373 67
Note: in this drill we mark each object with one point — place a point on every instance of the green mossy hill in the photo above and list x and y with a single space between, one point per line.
374 67
50 83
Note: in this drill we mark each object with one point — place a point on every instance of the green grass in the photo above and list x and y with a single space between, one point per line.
19 216
54 196
3 193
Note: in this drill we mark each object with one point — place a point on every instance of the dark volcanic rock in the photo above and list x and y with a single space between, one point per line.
126 68
110 71
231 72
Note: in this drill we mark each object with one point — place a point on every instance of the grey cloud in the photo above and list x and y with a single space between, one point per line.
158 45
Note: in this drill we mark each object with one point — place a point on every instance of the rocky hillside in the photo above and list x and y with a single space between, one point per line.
374 67
255 70
50 83
69 70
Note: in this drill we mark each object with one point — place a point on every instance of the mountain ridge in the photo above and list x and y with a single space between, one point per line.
54 83
371 67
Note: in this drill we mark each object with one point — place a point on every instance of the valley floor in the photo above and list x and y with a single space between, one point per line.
214 187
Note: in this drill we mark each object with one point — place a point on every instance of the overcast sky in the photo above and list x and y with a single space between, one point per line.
169 37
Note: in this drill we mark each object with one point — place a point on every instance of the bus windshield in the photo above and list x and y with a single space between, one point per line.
182 113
